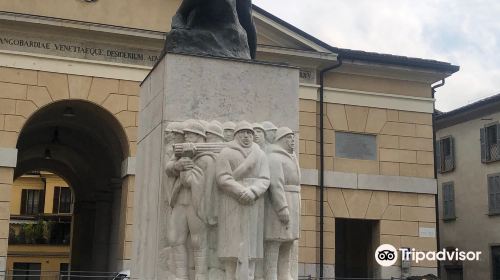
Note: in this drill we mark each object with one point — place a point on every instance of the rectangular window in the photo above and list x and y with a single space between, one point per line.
62 200
64 271
445 154
449 201
490 143
494 194
60 233
27 271
31 202
355 146
495 254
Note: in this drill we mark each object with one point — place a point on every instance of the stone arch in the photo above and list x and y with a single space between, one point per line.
85 144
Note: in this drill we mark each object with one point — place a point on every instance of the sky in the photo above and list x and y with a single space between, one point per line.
463 32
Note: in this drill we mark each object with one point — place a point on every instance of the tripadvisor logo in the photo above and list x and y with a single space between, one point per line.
387 255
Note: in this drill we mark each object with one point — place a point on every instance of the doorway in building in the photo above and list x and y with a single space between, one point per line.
85 145
454 272
354 247
495 255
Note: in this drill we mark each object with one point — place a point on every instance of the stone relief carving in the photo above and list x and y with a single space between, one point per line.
229 131
270 132
282 209
173 135
233 203
214 27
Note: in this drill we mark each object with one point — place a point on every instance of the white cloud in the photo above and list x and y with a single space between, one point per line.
463 32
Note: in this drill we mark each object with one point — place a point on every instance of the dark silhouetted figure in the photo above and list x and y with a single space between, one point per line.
214 27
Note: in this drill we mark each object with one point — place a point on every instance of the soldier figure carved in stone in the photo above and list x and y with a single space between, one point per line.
282 206
173 135
260 136
242 174
228 131
215 133
191 206
270 131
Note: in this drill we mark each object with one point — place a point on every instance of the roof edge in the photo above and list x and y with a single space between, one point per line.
366 56
476 109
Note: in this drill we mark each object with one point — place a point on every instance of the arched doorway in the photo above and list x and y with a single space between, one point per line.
84 144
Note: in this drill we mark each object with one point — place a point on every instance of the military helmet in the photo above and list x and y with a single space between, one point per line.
204 123
174 127
229 125
259 126
196 127
215 128
217 122
243 125
282 132
269 126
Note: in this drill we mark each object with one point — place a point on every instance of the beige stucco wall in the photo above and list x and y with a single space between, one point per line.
473 229
35 183
23 92
149 15
404 145
49 256
6 180
50 263
29 183
401 215
404 139
378 84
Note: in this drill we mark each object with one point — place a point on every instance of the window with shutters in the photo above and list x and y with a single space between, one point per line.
490 143
445 154
494 194
62 200
31 202
27 271
449 201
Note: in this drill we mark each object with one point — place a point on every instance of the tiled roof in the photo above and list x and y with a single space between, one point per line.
478 105
367 56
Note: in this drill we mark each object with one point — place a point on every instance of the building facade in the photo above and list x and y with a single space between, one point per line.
70 73
469 187
40 225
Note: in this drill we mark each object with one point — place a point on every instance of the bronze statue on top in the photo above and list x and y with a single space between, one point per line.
213 27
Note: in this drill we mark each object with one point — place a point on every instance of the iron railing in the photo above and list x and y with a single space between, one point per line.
57 275
494 155
83 275
448 164
428 277
343 278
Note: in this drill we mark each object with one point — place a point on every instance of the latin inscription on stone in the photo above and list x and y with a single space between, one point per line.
31 43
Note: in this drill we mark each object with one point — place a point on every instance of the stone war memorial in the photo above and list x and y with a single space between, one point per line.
219 177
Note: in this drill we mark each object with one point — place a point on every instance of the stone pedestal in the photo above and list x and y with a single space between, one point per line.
185 87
